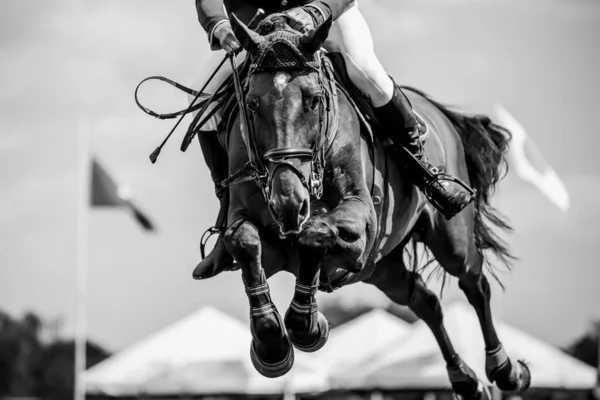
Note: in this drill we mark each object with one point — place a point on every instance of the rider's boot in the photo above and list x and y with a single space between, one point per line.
400 125
219 259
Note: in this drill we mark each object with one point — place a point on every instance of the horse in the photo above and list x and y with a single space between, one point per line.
323 210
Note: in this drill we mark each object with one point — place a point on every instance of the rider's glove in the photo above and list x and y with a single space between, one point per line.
226 38
304 18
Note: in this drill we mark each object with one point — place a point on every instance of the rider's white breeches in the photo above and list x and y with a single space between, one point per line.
349 34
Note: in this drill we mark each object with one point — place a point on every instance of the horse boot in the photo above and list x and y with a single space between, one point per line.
446 193
219 259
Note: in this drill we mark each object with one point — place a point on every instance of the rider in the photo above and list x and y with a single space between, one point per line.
350 34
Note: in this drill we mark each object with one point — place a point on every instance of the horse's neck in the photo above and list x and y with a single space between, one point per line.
348 169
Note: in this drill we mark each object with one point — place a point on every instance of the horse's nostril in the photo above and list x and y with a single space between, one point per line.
304 210
274 213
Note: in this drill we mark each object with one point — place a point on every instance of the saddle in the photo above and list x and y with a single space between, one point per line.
361 103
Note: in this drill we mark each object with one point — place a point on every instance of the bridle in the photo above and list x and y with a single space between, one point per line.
262 167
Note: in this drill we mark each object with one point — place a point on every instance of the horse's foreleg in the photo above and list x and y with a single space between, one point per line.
408 288
307 327
348 230
271 351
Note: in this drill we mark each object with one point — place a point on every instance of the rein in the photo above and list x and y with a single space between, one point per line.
220 94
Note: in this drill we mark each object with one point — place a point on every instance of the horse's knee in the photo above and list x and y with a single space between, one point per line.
242 240
318 233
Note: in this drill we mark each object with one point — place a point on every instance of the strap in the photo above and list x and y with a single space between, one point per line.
284 152
248 172
495 360
333 122
307 290
258 290
304 308
264 310
179 86
195 128
156 152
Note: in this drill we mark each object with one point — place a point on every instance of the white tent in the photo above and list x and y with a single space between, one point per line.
415 361
206 352
357 342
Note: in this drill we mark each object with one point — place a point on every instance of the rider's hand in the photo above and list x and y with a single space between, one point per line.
300 19
226 38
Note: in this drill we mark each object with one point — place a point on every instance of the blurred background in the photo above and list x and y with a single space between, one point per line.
68 61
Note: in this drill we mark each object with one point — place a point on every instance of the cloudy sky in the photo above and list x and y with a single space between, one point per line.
66 61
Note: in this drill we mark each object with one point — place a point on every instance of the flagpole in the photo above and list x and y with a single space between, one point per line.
83 139
597 388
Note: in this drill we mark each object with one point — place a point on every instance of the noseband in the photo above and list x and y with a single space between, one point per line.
280 53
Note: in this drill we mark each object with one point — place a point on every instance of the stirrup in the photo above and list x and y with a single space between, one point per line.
207 235
430 177
429 190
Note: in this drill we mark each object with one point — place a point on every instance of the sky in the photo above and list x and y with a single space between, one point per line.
69 61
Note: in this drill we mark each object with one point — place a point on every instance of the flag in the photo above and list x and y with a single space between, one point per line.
526 160
106 193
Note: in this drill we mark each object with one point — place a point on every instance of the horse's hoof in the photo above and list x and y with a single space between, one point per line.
323 326
526 376
272 370
483 393
523 377
513 377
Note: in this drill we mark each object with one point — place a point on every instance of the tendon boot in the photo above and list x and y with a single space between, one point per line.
219 259
447 194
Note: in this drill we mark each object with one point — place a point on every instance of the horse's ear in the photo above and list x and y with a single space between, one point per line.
247 37
313 40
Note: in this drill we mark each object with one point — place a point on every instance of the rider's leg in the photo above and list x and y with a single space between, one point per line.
351 35
215 157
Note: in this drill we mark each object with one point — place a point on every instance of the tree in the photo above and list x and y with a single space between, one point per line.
57 366
30 366
20 350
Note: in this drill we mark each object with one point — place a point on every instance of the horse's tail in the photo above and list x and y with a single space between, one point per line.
486 145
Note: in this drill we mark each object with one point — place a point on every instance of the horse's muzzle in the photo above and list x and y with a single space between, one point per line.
289 215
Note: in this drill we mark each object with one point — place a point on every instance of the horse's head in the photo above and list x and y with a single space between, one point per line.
286 104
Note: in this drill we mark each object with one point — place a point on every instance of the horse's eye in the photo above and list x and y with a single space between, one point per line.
316 99
252 103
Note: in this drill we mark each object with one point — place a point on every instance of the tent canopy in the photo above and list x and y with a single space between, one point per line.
206 352
415 360
357 341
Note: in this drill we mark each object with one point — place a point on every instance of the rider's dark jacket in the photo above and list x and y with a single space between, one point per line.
213 12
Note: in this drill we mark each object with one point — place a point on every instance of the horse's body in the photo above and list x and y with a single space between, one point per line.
404 208
344 239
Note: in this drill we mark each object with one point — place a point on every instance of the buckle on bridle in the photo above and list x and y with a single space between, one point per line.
316 185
